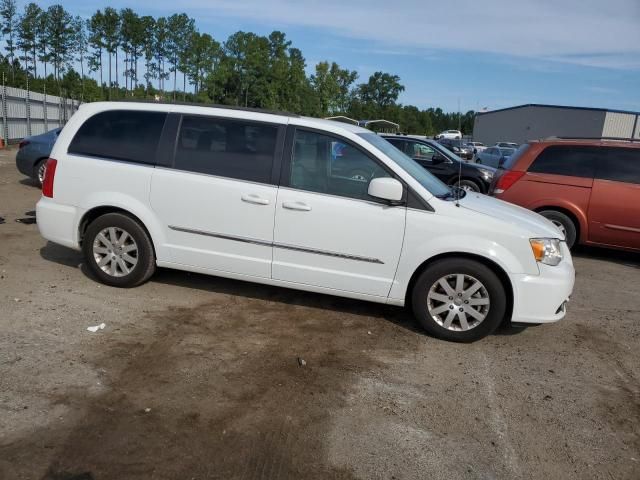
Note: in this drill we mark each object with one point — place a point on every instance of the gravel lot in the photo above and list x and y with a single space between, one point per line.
198 377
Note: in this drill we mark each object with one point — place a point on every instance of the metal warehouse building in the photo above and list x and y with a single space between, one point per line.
534 121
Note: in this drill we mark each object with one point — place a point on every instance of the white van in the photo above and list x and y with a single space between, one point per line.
296 202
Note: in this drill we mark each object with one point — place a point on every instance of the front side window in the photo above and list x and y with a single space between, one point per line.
325 164
570 160
129 135
621 165
420 151
226 148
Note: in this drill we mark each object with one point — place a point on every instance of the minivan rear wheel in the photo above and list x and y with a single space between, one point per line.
459 300
564 223
118 251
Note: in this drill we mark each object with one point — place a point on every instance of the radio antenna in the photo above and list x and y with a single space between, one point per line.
458 188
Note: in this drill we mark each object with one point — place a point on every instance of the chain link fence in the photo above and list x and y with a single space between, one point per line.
26 113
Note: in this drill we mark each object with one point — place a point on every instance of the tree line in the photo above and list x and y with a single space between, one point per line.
121 54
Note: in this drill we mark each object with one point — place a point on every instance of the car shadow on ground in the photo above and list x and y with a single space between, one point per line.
399 316
621 257
29 182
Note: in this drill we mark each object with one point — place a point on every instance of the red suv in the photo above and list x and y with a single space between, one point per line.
589 189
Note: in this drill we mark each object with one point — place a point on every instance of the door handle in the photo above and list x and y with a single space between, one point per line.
255 199
303 207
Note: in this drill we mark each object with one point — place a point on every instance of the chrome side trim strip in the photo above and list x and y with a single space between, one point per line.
224 237
278 245
346 256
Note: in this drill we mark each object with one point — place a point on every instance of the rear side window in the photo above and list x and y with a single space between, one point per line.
226 148
621 165
568 160
129 135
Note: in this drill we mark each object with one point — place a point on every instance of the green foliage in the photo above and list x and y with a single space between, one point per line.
247 69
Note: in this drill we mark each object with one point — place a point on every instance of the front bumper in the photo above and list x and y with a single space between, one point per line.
542 298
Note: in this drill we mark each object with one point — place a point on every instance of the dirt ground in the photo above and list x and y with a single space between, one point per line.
197 377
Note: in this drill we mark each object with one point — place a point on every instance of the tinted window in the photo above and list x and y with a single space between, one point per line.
121 135
326 164
419 151
399 144
226 148
621 165
413 168
568 160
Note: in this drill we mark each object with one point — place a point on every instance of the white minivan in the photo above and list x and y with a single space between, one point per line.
296 202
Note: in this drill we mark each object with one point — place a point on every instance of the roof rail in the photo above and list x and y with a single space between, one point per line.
209 105
616 139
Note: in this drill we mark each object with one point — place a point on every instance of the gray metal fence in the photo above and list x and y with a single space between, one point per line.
27 113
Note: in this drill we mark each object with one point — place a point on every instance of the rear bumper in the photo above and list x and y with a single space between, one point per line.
58 223
542 298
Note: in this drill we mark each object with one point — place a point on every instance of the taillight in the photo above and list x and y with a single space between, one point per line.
23 143
49 175
506 180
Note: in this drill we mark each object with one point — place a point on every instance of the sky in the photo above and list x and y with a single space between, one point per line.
454 54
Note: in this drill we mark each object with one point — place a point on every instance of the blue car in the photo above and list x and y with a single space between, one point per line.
33 153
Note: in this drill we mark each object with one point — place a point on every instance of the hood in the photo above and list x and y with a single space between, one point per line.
536 225
482 166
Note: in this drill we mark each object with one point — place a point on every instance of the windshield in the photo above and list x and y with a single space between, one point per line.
426 179
507 151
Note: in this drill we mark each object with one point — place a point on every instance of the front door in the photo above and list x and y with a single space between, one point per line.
329 232
217 202
614 207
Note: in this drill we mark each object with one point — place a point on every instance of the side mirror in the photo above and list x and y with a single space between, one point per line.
501 161
437 159
386 188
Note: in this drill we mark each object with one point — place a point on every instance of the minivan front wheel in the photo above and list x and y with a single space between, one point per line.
459 299
118 251
564 223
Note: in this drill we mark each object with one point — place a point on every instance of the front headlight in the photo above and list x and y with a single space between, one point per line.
546 250
486 174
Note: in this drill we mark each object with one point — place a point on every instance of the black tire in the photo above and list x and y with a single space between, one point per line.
566 223
470 184
36 171
452 266
146 262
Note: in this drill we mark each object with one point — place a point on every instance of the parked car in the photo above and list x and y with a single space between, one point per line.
477 147
494 156
453 134
33 153
444 164
254 196
589 189
507 145
457 147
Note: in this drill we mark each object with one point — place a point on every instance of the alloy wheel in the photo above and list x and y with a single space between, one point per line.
115 251
41 171
560 226
458 302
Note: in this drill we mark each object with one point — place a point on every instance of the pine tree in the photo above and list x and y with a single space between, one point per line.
27 32
8 14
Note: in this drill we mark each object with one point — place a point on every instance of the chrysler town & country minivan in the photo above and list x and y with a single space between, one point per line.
269 198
